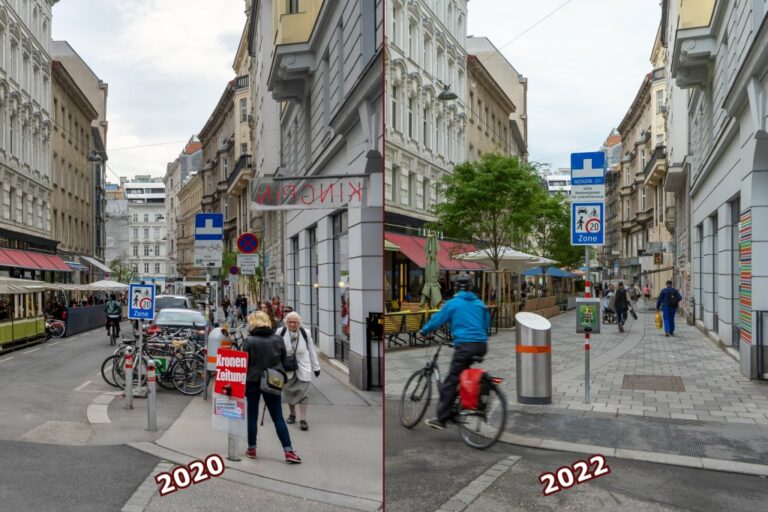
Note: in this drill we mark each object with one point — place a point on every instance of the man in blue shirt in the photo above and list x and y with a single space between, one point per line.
470 321
668 300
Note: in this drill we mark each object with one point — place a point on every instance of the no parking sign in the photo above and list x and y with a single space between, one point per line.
141 302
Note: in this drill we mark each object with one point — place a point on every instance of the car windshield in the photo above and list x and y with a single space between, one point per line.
170 302
186 318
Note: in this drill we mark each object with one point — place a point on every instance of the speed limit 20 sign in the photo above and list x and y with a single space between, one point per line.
141 302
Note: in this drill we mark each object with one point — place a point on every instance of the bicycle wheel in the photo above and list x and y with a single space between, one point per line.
118 372
415 398
188 374
106 369
481 429
57 329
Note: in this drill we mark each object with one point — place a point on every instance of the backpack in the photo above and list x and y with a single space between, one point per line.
672 301
113 308
290 364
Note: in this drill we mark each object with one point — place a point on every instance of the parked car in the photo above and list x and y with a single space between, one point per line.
173 301
180 318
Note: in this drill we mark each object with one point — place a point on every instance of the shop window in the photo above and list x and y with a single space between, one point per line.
341 274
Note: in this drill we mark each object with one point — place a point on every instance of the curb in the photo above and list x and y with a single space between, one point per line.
744 468
260 482
143 494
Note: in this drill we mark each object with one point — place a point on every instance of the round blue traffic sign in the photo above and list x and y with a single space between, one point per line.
248 243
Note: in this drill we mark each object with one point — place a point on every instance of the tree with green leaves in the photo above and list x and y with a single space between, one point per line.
495 201
121 270
551 237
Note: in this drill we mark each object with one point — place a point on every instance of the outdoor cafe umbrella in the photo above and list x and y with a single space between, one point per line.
431 292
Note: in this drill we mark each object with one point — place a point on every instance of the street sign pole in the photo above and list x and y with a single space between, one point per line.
586 335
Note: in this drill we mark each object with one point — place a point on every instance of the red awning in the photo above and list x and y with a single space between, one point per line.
413 249
32 260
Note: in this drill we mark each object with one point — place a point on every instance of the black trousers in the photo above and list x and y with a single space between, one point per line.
462 359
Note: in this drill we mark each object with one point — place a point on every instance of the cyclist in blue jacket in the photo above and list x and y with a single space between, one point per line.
470 321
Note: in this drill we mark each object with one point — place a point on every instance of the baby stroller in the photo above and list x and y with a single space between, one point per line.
609 310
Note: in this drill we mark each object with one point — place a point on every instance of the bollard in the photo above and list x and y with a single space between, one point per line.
128 373
152 397
232 447
587 330
533 359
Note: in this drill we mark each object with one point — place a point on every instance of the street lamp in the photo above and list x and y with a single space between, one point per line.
447 94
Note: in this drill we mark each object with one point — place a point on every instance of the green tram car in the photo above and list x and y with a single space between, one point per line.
22 320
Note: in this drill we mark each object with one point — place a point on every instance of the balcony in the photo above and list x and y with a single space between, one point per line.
645 216
293 60
241 174
675 179
241 82
627 225
696 43
627 190
656 168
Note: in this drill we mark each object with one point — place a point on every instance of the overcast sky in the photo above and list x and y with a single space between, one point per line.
584 65
166 62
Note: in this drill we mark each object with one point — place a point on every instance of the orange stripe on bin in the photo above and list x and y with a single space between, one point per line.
532 349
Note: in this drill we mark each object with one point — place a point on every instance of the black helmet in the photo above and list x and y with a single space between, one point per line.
464 282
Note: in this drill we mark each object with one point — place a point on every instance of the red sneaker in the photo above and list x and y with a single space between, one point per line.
292 458
250 453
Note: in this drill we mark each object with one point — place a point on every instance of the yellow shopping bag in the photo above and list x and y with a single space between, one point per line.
659 322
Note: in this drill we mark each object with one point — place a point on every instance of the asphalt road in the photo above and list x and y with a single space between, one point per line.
51 457
426 468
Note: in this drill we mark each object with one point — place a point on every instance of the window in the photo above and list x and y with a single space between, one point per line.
244 148
157 250
411 189
293 6
326 67
395 96
295 260
425 194
395 183
135 233
396 26
243 110
146 233
146 268
146 217
157 268
135 250
341 274
410 118
412 49
427 129
157 233
158 217
427 60
660 107
146 249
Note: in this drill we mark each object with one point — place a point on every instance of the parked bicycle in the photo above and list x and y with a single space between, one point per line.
479 428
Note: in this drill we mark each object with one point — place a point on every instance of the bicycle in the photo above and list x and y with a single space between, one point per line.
478 428
55 328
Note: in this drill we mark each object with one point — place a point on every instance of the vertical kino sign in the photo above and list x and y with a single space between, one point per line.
310 193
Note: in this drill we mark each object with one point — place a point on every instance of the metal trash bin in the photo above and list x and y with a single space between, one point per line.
533 348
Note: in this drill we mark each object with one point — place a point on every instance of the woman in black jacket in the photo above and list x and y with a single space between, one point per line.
265 350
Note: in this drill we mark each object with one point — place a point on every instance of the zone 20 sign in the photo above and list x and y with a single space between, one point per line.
587 223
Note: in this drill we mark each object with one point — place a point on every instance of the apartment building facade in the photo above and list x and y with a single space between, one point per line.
146 214
718 56
327 70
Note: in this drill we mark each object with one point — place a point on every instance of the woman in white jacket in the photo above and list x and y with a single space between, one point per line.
298 341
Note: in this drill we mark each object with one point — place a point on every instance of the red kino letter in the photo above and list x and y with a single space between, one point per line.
324 193
356 191
304 195
264 193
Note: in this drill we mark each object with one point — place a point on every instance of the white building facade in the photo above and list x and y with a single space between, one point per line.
147 230
25 122
719 54
425 136
331 86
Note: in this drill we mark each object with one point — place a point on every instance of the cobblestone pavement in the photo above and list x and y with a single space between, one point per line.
714 389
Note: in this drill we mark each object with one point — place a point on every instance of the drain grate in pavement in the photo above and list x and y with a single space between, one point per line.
653 383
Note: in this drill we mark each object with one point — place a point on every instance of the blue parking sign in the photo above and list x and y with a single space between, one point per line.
141 302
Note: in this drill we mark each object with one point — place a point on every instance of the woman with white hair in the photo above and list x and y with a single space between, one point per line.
299 344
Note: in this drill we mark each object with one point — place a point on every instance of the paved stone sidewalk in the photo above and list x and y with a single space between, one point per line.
714 390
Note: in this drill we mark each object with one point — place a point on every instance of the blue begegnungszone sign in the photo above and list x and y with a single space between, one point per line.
587 223
141 302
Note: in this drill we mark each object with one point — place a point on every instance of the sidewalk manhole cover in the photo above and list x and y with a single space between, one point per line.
653 383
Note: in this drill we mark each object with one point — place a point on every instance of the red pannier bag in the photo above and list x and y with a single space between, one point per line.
470 383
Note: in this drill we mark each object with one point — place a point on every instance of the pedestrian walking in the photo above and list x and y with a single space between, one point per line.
277 308
298 342
265 351
266 307
621 303
646 293
668 301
